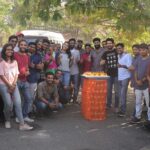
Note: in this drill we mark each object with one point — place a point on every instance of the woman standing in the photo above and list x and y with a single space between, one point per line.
49 60
86 59
64 61
8 87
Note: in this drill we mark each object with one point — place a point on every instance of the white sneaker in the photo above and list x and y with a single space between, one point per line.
7 125
17 120
25 127
27 119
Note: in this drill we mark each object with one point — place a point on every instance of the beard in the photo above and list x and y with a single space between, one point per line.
49 82
97 46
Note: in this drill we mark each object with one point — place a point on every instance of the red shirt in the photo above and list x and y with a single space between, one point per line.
23 65
86 64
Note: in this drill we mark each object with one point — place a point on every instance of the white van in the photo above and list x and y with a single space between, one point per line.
33 35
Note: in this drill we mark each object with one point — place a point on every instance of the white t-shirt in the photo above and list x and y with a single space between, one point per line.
123 73
76 58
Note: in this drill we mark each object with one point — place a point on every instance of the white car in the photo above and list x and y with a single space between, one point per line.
32 35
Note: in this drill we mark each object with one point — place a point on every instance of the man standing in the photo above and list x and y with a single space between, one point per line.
35 68
136 55
110 60
13 39
80 47
20 37
74 70
124 64
23 65
96 55
141 83
104 44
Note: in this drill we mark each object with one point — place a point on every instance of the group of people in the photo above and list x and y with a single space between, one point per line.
47 75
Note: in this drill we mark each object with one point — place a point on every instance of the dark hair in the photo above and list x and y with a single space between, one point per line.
87 44
38 40
3 53
110 39
32 43
96 39
21 41
143 46
46 41
12 37
135 45
68 52
120 44
80 41
72 39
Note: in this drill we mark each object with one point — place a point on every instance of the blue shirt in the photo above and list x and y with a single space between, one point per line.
34 73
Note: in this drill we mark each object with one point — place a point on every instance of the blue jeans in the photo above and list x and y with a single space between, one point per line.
65 93
113 81
42 106
75 81
123 88
66 78
25 93
9 101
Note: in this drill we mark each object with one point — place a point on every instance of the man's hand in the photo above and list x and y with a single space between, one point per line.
119 66
32 65
52 105
27 73
40 66
102 62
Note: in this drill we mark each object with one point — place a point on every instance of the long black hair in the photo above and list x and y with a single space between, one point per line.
68 52
3 53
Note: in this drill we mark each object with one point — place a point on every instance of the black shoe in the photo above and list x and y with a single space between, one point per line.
135 120
121 114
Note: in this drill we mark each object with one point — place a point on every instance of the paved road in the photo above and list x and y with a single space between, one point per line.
68 130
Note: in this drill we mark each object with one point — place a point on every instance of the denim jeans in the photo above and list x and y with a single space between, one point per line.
42 106
113 81
123 88
65 93
75 81
33 88
138 95
26 95
9 101
66 78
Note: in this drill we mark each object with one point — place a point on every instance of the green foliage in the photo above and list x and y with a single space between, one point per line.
128 20
128 14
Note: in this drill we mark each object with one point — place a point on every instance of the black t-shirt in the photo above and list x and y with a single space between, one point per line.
111 58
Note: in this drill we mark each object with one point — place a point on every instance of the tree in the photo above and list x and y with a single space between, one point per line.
122 19
125 14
